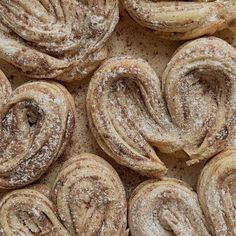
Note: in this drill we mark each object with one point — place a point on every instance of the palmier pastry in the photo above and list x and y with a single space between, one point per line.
28 212
36 122
180 20
167 207
194 111
62 40
90 197
217 193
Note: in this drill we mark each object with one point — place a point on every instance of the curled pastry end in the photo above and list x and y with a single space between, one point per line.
29 212
217 193
180 20
37 121
90 197
165 207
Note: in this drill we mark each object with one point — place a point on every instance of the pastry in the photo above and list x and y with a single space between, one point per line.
90 197
217 193
28 212
193 111
62 40
36 122
180 20
167 207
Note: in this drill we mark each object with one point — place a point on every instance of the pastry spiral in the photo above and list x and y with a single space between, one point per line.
217 193
167 207
28 212
62 40
36 122
90 197
180 20
194 111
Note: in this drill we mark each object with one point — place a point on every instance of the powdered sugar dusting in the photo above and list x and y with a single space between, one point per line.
63 40
34 132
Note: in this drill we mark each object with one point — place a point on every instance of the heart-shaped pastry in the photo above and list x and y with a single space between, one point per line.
192 110
90 197
89 200
28 212
180 20
36 122
167 207
170 207
62 40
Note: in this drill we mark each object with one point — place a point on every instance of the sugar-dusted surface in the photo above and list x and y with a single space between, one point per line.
37 121
128 39
167 207
183 20
60 40
87 190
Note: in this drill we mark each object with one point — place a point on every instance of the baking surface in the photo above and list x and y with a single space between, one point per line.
133 40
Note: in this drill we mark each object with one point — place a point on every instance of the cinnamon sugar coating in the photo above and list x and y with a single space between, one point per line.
191 110
29 212
181 20
36 122
90 197
63 40
171 207
217 193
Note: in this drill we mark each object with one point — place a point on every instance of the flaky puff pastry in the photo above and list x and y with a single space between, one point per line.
90 197
29 212
36 122
180 20
192 111
168 207
62 40
171 207
217 193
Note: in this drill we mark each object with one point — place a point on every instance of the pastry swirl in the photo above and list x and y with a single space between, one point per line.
167 207
194 112
62 40
181 20
90 197
28 212
217 193
36 122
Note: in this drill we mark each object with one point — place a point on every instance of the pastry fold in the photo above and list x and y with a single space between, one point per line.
171 207
191 110
90 197
217 193
36 122
181 20
167 207
28 212
63 40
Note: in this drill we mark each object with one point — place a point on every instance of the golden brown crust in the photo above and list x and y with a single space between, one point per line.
181 20
62 40
37 120
201 77
90 197
112 114
167 207
28 212
194 111
217 193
